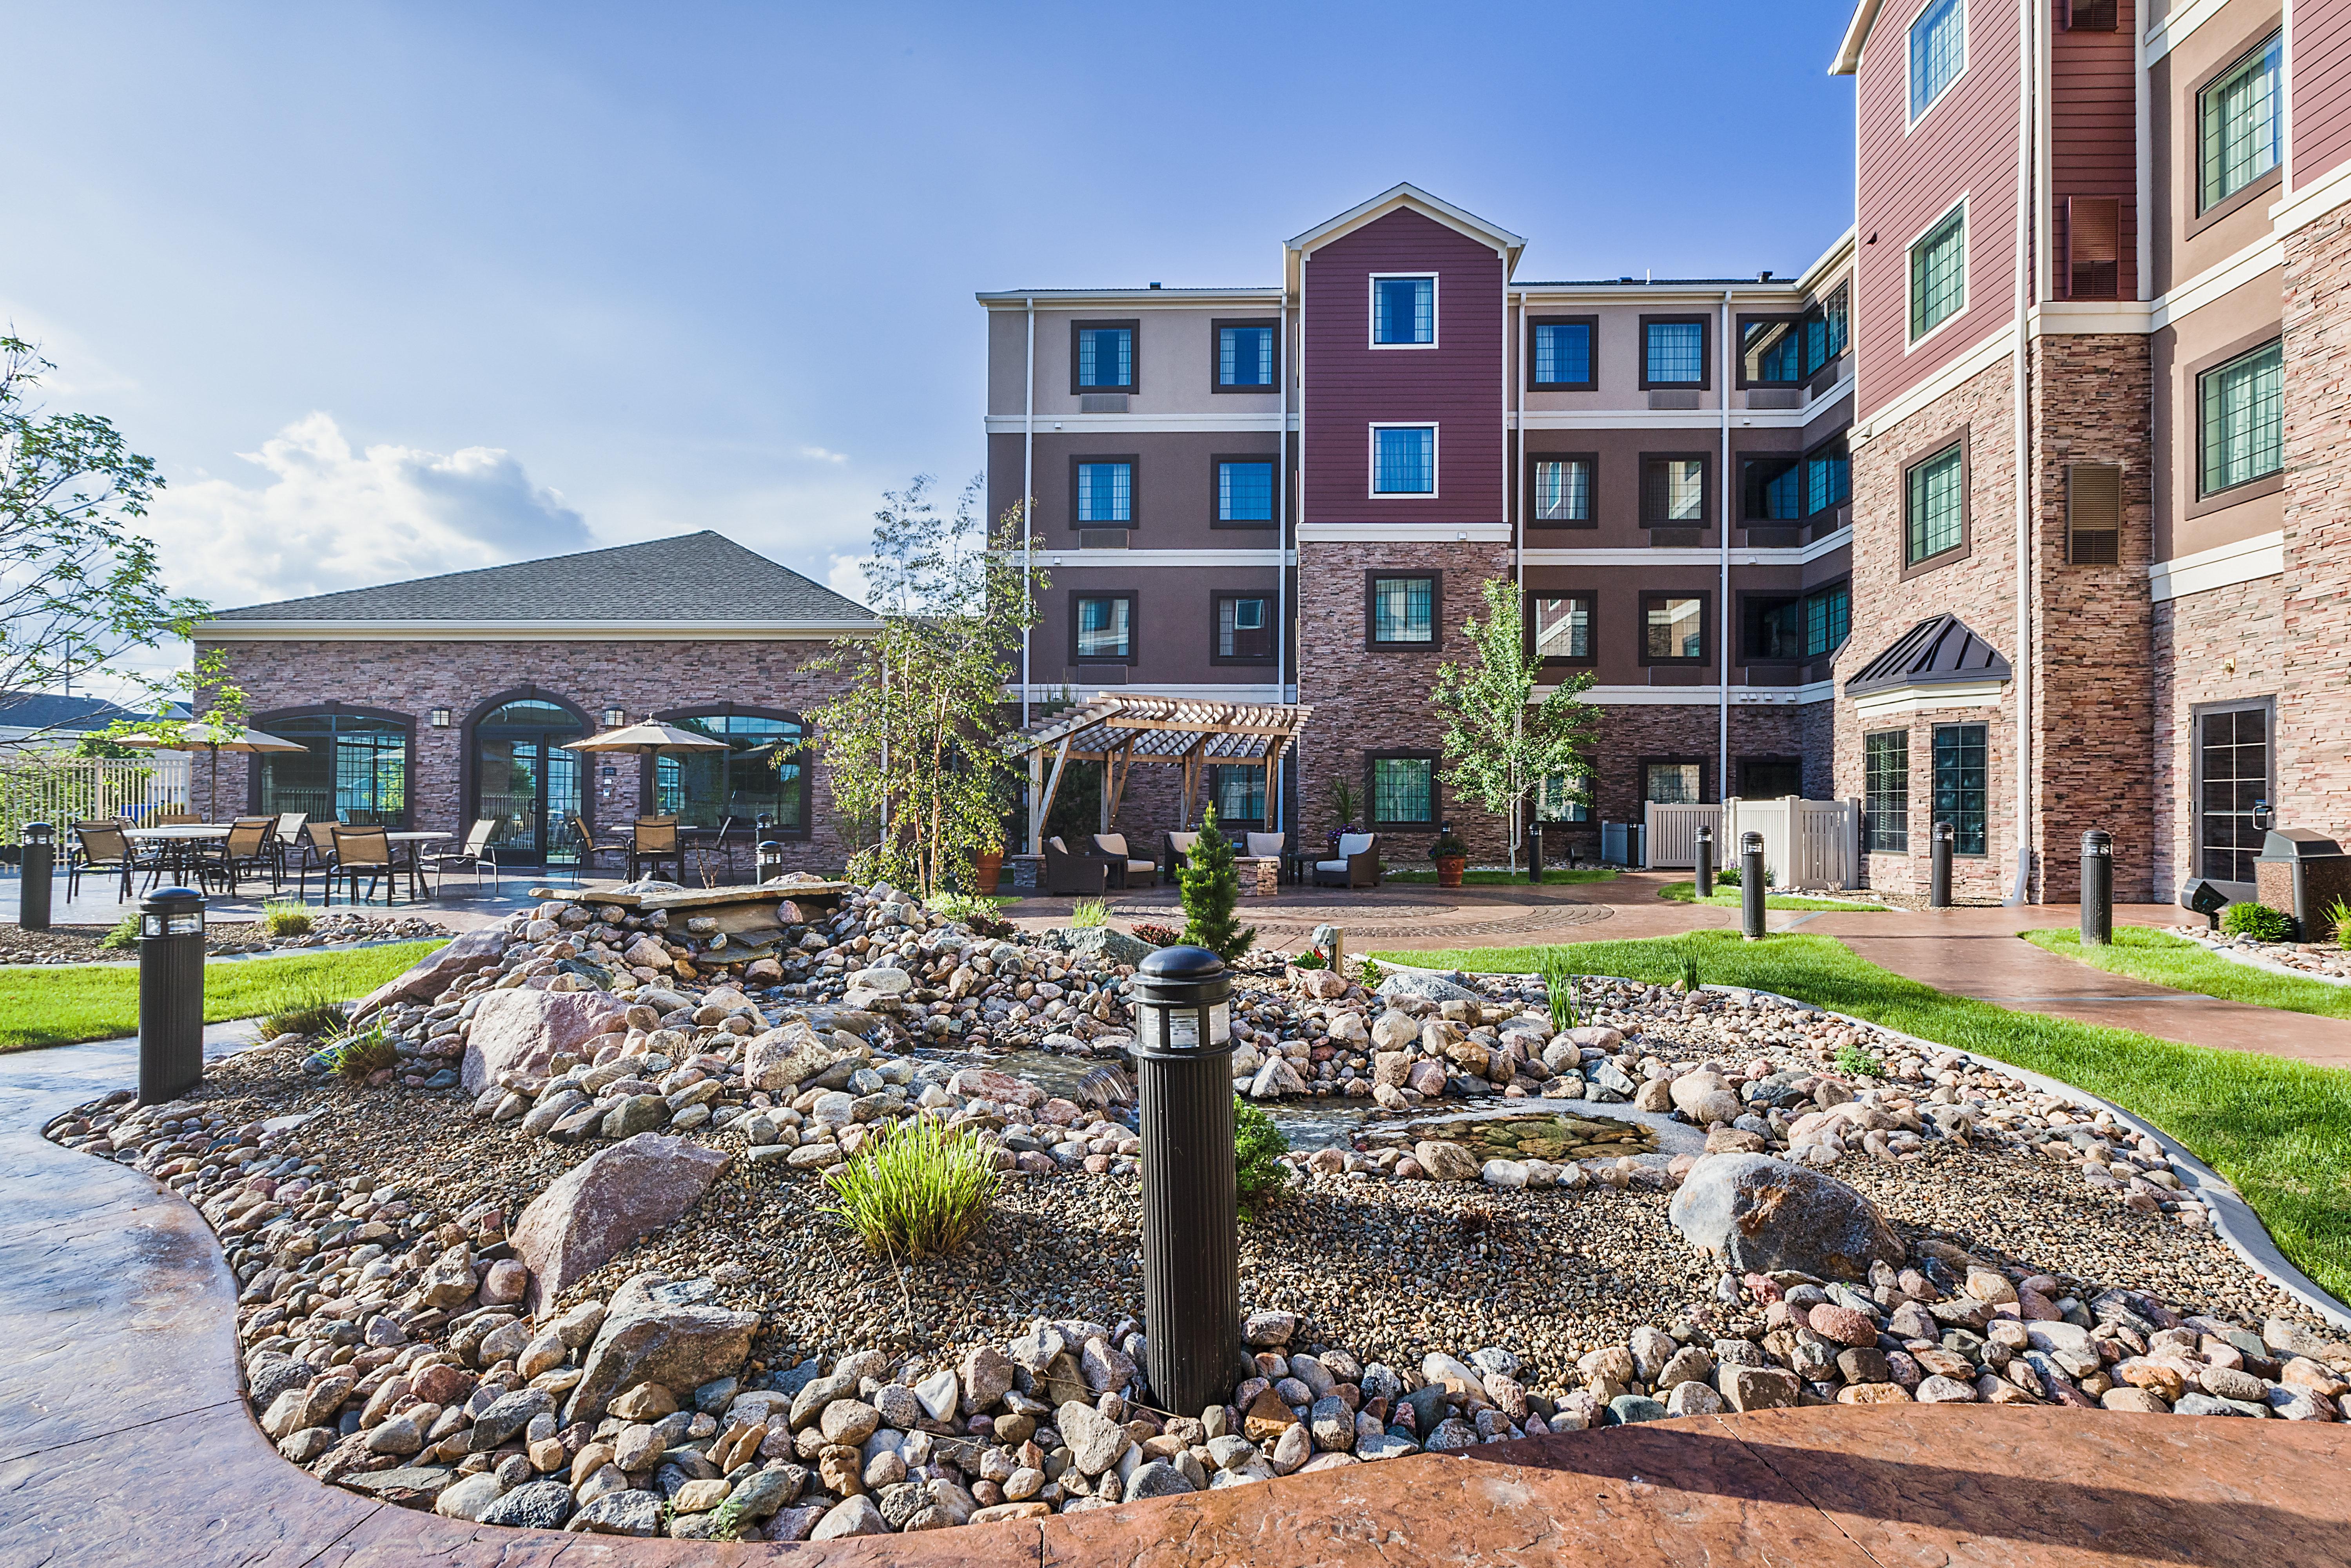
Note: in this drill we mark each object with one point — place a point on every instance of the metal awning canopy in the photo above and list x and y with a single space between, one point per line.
1119 729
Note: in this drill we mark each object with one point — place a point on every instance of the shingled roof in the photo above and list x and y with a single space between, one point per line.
697 577
1939 650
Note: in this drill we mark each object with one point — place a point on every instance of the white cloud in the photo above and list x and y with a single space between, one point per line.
328 518
847 577
819 455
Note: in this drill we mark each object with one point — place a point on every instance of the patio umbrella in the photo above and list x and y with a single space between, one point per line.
214 738
646 740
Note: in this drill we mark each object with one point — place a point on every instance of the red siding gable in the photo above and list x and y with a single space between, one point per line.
1350 385
2322 87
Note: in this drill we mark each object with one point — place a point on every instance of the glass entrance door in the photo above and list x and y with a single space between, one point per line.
523 777
2232 767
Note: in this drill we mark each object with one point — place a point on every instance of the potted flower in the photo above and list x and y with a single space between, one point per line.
1451 855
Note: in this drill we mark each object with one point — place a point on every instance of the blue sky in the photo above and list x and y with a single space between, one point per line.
389 290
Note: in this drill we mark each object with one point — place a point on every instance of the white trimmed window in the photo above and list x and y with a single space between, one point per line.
1939 52
1404 460
1939 273
1404 310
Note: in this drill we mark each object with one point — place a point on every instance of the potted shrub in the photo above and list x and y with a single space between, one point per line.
1451 855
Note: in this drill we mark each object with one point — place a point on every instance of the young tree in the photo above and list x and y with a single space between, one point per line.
78 588
912 747
1502 744
1212 887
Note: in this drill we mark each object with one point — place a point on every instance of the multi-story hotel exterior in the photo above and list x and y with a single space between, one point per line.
2141 215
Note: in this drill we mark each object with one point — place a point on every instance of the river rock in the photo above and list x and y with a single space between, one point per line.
788 1055
656 1331
607 1202
523 1031
1446 1161
1756 1213
437 971
1429 987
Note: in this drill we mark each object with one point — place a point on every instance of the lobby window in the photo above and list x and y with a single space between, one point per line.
1673 490
2242 415
1404 460
1244 628
1773 488
1402 792
1104 356
1238 790
1935 505
1563 627
1673 352
1404 312
1828 619
353 769
760 771
1673 629
1828 477
1674 783
1960 785
1562 798
1563 490
1404 611
2240 133
1771 350
1563 356
1245 356
1244 490
1885 790
1105 627
1824 329
1105 493
1939 273
1939 52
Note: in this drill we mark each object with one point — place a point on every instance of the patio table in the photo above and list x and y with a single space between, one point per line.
179 840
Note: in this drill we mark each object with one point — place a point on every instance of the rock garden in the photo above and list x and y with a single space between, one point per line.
332 928
560 1232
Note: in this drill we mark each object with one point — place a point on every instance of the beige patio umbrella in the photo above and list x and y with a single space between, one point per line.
204 736
647 739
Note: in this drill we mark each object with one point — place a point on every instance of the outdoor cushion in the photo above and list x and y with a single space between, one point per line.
1183 842
1059 847
1112 845
1142 865
1354 844
1330 865
1265 846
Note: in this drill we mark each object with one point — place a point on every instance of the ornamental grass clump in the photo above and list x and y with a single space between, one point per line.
920 1190
317 1016
1088 913
286 919
358 1054
1561 982
2258 921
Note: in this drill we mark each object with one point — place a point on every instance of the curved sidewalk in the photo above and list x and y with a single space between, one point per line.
124 1439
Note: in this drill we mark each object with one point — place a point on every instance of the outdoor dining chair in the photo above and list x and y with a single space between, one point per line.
655 842
586 847
246 851
286 838
362 852
101 846
316 852
475 852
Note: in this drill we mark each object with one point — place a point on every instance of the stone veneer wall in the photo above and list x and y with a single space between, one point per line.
1981 589
1368 699
2314 756
2093 698
413 678
2223 644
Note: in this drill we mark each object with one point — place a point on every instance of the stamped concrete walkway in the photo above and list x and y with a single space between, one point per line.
124 1439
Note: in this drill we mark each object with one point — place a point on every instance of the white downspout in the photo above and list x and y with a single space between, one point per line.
2018 374
1281 556
1722 593
1027 504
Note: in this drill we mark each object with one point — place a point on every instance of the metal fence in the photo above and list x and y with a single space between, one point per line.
61 792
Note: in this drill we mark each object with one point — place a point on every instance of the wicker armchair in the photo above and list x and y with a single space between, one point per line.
1358 865
1074 875
1176 850
1124 867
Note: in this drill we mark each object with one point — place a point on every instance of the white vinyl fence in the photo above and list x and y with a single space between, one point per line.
1806 843
62 791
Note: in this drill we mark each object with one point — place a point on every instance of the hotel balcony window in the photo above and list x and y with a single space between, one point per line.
1773 489
1825 326
1404 312
1828 477
1771 350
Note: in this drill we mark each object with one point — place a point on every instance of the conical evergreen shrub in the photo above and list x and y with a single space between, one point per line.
1212 887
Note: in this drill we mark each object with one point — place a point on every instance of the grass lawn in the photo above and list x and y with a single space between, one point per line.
1506 878
1728 898
2160 959
61 1005
2279 1130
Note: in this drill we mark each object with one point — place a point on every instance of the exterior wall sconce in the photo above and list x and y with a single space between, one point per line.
440 719
614 717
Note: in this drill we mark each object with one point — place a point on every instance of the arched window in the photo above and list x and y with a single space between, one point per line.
353 767
763 769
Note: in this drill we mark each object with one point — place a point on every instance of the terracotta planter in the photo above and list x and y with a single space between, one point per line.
985 868
1449 869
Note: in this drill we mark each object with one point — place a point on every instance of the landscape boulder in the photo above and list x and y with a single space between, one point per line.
606 1202
1429 987
789 1055
522 1030
1755 1214
438 970
657 1331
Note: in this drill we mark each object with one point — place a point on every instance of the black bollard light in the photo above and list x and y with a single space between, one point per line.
1751 886
2097 888
171 993
1534 851
1940 845
770 861
1191 1221
39 867
1705 858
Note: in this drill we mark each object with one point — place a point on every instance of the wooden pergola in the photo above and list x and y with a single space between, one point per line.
1119 729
